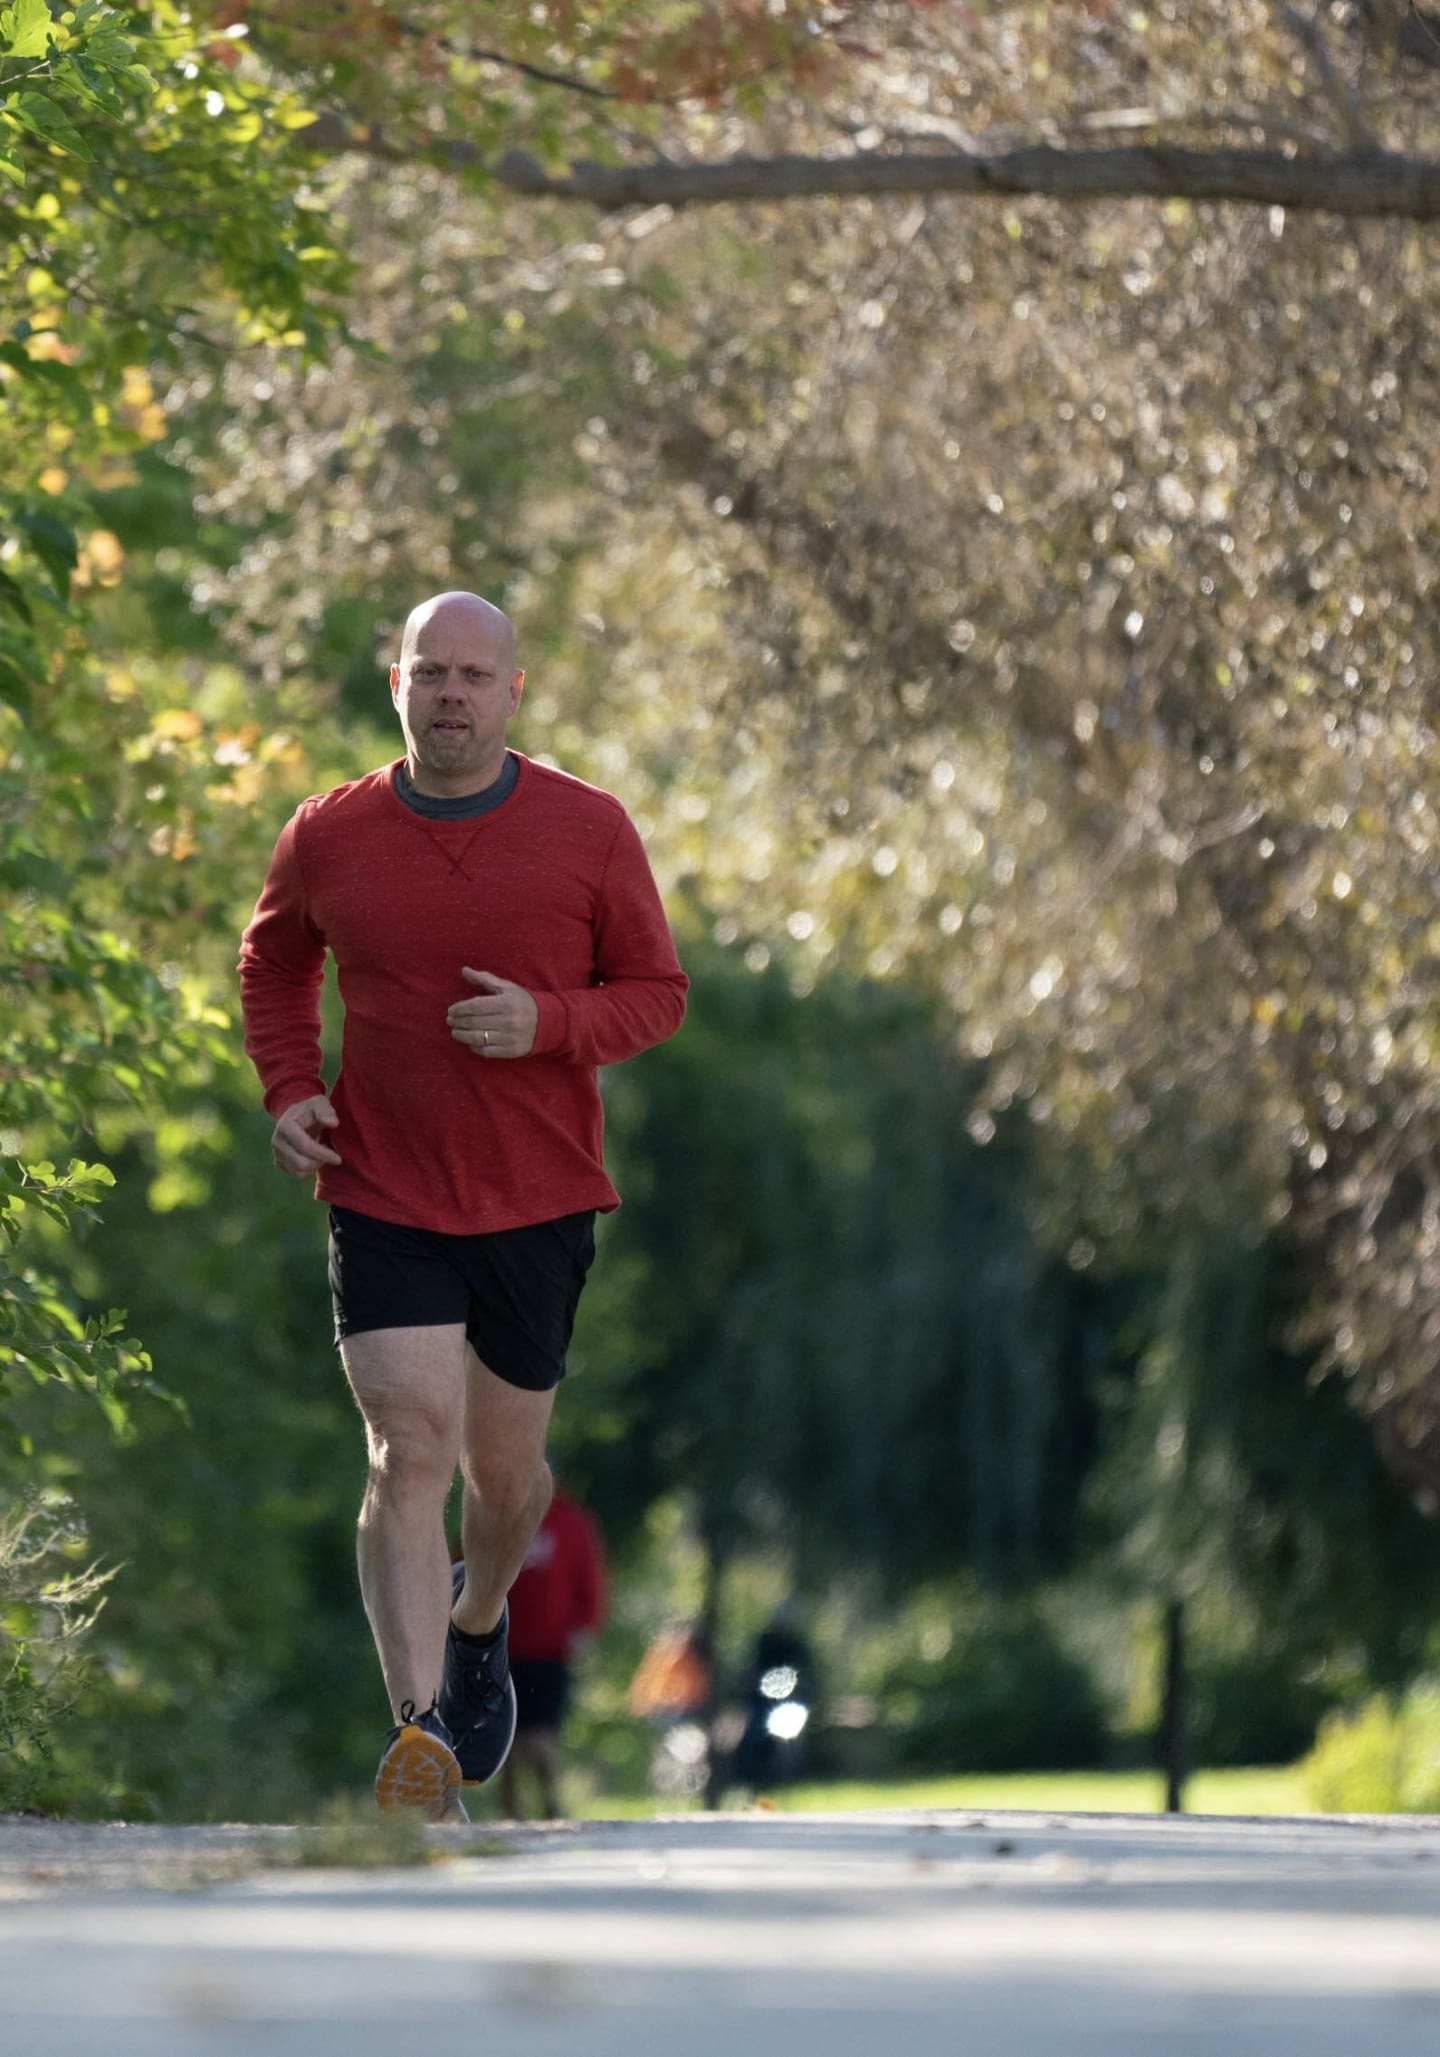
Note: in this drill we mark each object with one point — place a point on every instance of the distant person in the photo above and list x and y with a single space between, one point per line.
674 1678
557 1605
673 1688
779 1703
497 935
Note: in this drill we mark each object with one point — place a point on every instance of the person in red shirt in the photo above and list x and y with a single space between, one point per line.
497 934
557 1604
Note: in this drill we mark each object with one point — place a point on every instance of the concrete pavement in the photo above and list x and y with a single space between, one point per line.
751 1936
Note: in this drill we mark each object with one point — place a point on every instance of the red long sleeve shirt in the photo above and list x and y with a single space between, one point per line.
551 889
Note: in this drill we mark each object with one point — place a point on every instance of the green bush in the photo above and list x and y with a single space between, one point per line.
1252 1710
1003 1696
1380 1758
47 1605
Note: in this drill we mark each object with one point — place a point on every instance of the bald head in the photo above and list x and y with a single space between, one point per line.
463 612
455 687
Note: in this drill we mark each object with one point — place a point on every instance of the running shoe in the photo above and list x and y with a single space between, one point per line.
419 1768
477 1701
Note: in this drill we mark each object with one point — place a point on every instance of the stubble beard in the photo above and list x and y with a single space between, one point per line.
448 750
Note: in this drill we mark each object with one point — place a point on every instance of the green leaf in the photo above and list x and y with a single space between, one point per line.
25 29
54 544
15 688
45 369
12 595
43 118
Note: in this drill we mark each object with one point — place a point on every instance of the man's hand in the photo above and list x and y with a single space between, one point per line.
296 1145
498 1021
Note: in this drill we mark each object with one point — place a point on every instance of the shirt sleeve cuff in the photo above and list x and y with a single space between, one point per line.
290 1094
552 1026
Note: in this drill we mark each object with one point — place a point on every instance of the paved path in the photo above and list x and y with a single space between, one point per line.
882 1935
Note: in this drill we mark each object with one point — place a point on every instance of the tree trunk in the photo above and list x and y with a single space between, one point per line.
1172 1736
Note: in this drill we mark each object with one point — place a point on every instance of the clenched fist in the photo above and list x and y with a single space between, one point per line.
497 1021
296 1145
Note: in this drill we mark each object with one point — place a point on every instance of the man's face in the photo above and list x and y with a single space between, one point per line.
455 688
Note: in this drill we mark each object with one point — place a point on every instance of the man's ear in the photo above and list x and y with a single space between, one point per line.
516 690
394 682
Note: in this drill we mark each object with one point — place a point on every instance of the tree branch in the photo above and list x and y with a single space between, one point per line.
1420 36
1401 30
475 53
1338 91
1358 183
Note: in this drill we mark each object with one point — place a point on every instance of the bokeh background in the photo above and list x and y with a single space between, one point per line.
1011 623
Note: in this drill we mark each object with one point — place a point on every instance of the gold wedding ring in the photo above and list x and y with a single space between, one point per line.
484 1039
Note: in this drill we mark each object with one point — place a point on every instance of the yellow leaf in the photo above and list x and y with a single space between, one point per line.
179 723
105 550
47 347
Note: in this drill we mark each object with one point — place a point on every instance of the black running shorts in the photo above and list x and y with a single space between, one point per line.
542 1691
515 1291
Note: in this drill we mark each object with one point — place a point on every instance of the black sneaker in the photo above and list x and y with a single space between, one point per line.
419 1768
477 1702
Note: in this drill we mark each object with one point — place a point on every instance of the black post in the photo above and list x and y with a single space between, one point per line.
716 1763
1172 1738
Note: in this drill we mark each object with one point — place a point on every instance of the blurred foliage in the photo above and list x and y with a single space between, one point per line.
143 193
986 1684
1228 1478
1258 1708
799 1179
48 1602
1381 1758
150 205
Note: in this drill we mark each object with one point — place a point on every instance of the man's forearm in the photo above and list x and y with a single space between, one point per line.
281 1016
608 1023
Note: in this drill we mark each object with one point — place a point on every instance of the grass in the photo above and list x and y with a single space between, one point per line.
1262 1789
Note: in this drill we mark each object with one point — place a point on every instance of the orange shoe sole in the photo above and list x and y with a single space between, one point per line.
419 1771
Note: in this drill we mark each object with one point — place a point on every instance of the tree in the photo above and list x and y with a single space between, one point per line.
1242 100
853 1348
149 204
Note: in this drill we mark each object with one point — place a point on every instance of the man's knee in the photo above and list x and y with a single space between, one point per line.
411 1447
509 1489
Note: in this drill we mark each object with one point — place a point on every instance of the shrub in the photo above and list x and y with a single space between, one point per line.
1252 1710
1380 1758
45 1611
1003 1696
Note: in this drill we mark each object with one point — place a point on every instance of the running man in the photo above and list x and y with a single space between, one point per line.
497 935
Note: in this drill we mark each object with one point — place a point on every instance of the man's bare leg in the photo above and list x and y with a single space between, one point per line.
536 1753
409 1384
545 1758
511 1801
507 1488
